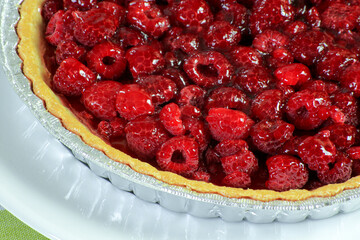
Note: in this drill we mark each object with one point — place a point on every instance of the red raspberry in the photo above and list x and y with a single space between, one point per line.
197 130
60 28
187 42
193 14
145 135
342 135
228 97
72 77
354 155
100 99
190 111
112 128
133 101
144 60
348 105
253 79
268 105
115 9
128 37
285 173
147 17
320 86
243 161
221 35
270 14
350 79
179 155
318 151
340 17
50 7
242 56
107 59
170 118
295 28
94 26
230 147
269 40
313 17
228 124
81 5
291 146
161 89
279 57
293 74
340 172
208 69
67 49
236 14
269 136
177 76
308 46
333 63
237 179
201 175
192 95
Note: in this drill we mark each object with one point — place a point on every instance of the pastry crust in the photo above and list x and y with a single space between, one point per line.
31 49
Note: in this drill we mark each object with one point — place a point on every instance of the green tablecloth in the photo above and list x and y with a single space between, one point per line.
12 228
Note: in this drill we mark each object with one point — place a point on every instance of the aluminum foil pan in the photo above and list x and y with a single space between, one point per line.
175 198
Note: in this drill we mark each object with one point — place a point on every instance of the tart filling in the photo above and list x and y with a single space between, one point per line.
234 99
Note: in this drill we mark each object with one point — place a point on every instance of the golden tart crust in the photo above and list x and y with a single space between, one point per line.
31 48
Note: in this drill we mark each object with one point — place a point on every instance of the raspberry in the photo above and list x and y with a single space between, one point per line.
308 46
107 59
192 95
285 173
170 118
132 101
242 56
313 17
187 42
354 155
348 105
230 147
72 77
268 105
81 5
115 9
190 111
208 69
93 26
177 76
228 97
237 179
269 136
340 172
279 58
269 40
295 28
197 130
200 175
112 128
228 124
179 155
67 49
147 17
342 135
100 98
236 14
253 79
340 17
293 74
50 7
333 63
291 146
145 135
318 151
144 60
243 161
60 28
221 35
128 37
270 14
320 86
350 79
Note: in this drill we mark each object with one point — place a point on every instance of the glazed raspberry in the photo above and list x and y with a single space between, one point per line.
228 97
208 69
236 14
237 179
177 76
253 79
60 28
67 49
270 14
350 79
193 14
93 26
313 17
221 35
192 95
285 173
133 101
342 135
295 27
242 56
161 89
308 46
144 60
112 128
179 155
230 147
145 135
269 135
100 98
292 74
170 118
291 146
177 39
279 58
354 155
340 172
333 63
72 77
128 37
243 161
340 17
81 5
196 129
147 17
318 151
348 105
115 9
268 105
190 111
200 175
107 59
269 40
50 7
228 124
321 86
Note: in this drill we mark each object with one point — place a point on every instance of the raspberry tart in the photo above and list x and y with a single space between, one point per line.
245 99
